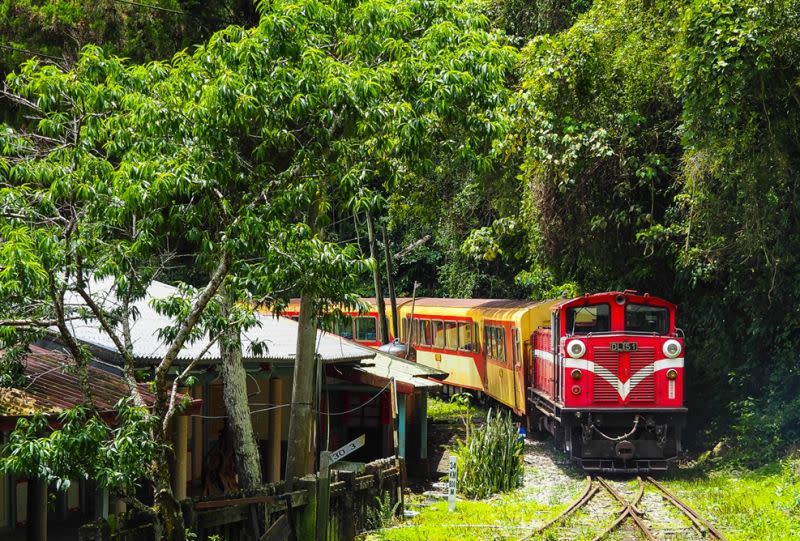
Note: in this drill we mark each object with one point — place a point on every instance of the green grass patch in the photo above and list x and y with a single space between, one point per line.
458 408
762 504
502 517
758 505
498 519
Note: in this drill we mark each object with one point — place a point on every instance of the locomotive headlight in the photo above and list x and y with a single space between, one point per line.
672 348
672 374
576 374
576 349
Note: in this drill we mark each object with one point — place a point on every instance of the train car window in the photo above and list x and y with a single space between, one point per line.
427 333
496 343
451 334
589 319
343 326
406 324
366 328
438 334
501 344
649 319
465 337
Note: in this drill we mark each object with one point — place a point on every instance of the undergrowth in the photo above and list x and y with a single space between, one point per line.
490 458
458 408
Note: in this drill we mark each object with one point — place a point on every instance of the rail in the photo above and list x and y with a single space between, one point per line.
630 510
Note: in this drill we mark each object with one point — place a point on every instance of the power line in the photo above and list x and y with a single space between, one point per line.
151 6
28 51
169 10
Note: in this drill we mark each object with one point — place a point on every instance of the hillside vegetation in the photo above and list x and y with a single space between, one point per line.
645 144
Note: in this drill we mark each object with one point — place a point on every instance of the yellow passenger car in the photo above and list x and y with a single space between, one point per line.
484 344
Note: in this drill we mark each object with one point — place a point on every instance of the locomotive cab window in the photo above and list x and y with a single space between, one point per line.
589 319
649 319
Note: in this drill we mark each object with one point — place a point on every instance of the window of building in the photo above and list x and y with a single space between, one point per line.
465 337
649 319
366 328
589 319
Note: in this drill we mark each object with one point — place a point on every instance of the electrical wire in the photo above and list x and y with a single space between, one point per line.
278 406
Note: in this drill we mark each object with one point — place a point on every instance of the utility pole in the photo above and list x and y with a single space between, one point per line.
390 281
376 276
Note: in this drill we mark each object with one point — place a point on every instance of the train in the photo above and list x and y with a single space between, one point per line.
601 373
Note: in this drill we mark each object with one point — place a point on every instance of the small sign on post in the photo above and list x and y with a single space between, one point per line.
346 449
451 484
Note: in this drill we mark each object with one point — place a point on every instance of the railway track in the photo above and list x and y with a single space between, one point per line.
638 509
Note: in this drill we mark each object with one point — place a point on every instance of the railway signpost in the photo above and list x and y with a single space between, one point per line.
451 484
326 458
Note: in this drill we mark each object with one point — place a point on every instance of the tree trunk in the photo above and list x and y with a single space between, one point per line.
234 394
376 276
301 421
169 510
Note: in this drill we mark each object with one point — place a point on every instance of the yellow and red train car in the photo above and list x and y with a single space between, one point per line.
602 373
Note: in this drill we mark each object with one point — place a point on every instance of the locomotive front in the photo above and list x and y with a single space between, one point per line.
620 364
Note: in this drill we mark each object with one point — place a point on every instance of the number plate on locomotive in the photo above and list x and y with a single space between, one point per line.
623 346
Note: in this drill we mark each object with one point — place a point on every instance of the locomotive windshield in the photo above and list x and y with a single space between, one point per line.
649 319
589 319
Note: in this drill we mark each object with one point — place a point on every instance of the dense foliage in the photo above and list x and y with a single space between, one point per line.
649 145
661 153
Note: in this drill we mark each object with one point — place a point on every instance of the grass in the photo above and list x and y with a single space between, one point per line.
503 517
762 505
497 519
453 410
759 505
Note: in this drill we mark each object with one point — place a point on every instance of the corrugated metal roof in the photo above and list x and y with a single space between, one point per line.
52 388
387 366
277 335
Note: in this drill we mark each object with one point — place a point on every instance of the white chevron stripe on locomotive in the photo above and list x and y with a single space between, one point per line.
546 355
623 388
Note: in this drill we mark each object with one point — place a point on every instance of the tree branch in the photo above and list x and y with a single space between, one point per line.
186 327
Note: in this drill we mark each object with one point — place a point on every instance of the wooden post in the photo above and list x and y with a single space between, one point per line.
376 278
276 397
306 527
37 510
423 424
181 456
348 523
390 283
101 503
198 452
120 507
401 425
324 488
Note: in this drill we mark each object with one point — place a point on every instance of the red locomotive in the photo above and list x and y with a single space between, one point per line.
607 381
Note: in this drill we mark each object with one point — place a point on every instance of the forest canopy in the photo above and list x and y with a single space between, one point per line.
650 145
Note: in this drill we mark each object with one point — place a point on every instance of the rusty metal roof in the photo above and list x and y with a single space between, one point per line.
53 387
